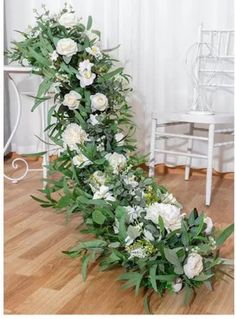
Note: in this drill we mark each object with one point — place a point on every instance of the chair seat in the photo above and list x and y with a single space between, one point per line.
218 118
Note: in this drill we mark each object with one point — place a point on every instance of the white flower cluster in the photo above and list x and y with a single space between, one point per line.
117 161
73 135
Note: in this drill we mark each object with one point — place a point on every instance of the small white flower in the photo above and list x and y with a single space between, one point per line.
193 266
99 102
138 253
74 135
119 137
72 100
148 235
94 51
133 212
177 285
81 160
130 181
209 223
91 36
170 214
53 56
85 75
93 119
97 179
103 193
66 47
116 226
68 20
25 62
116 161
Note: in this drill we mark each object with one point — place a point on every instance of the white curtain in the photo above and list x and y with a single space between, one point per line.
154 36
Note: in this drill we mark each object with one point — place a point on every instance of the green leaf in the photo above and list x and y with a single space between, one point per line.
146 305
64 202
161 224
166 277
171 256
224 235
89 23
109 75
98 217
34 154
152 274
85 261
203 277
121 216
188 295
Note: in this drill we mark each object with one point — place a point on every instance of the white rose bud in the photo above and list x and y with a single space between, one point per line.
99 102
209 223
67 47
193 266
177 285
72 100
68 20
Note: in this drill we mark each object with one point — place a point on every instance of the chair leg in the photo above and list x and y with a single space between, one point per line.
189 150
209 163
152 149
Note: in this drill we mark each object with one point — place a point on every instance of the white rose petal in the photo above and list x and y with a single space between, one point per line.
116 161
193 266
66 47
68 20
93 119
74 135
209 223
170 214
119 137
72 100
81 160
99 102
103 193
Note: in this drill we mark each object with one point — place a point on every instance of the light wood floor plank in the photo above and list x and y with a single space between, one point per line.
39 279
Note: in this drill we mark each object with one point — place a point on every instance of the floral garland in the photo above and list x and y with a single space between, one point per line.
137 224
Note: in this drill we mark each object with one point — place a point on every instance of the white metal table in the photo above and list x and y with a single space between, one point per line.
10 70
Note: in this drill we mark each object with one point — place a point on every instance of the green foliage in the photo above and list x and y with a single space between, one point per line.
113 196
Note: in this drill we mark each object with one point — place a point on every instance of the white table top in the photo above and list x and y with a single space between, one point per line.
218 118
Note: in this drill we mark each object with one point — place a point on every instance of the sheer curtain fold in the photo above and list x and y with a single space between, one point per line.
154 36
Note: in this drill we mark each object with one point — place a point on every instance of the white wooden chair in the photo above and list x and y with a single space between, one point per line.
220 41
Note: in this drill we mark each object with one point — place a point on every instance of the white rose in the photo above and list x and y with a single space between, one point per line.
117 161
209 223
85 65
177 285
81 160
68 20
74 135
119 137
103 193
94 51
67 47
170 214
193 266
99 102
72 100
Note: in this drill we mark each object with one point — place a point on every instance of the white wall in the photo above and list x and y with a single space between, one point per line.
154 37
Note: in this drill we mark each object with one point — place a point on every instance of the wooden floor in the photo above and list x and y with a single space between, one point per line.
39 279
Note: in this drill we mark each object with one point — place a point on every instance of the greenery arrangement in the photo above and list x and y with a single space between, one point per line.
135 223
